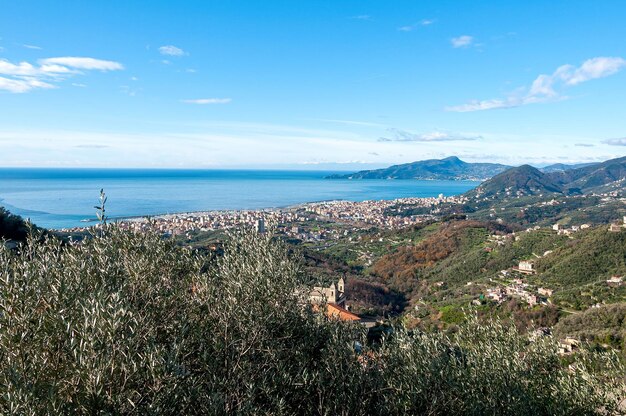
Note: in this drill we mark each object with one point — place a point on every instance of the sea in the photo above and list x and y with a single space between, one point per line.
64 198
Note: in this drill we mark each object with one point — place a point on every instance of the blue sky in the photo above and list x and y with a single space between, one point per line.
310 84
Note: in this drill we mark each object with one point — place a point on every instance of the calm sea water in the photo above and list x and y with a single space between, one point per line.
58 198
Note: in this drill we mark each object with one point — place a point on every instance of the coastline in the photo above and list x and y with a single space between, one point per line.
65 199
368 212
217 211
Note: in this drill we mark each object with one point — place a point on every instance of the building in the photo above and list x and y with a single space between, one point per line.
568 345
615 228
526 267
615 280
337 312
497 294
260 225
544 291
334 294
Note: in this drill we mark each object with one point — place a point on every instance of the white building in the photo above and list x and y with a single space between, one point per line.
526 267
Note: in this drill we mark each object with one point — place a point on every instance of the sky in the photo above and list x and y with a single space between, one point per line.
322 84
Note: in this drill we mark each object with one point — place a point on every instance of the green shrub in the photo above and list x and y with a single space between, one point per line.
129 323
12 227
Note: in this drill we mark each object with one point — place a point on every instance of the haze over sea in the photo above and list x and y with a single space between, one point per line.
60 198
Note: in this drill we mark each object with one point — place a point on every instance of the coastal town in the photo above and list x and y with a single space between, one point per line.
364 231
291 221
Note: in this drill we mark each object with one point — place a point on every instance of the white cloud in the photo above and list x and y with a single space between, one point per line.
171 50
591 69
547 88
235 144
615 142
83 63
32 47
23 85
362 17
21 69
462 41
203 101
476 105
410 28
398 135
24 76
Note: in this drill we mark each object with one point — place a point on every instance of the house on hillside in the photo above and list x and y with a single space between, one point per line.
334 297
337 312
526 267
615 281
615 228
568 345
557 227
544 291
334 294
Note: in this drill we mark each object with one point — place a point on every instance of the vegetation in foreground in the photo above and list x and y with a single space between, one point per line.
12 227
126 323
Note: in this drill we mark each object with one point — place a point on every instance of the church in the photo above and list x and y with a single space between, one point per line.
334 296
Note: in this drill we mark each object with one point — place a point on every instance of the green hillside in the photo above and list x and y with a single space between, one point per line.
450 168
129 323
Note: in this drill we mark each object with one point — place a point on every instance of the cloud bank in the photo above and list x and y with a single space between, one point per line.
547 88
47 73
398 135
615 142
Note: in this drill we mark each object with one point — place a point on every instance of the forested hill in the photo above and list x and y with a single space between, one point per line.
450 168
526 180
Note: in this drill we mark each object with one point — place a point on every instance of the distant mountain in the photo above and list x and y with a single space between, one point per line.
601 177
526 180
521 180
450 168
559 167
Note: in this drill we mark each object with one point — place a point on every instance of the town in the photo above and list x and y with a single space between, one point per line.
381 214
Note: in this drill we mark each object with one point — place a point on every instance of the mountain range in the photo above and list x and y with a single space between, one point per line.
559 167
450 168
526 180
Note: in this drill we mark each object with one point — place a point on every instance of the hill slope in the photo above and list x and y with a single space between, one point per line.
518 181
528 181
610 173
450 168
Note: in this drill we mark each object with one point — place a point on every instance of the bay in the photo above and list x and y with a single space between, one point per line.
61 198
